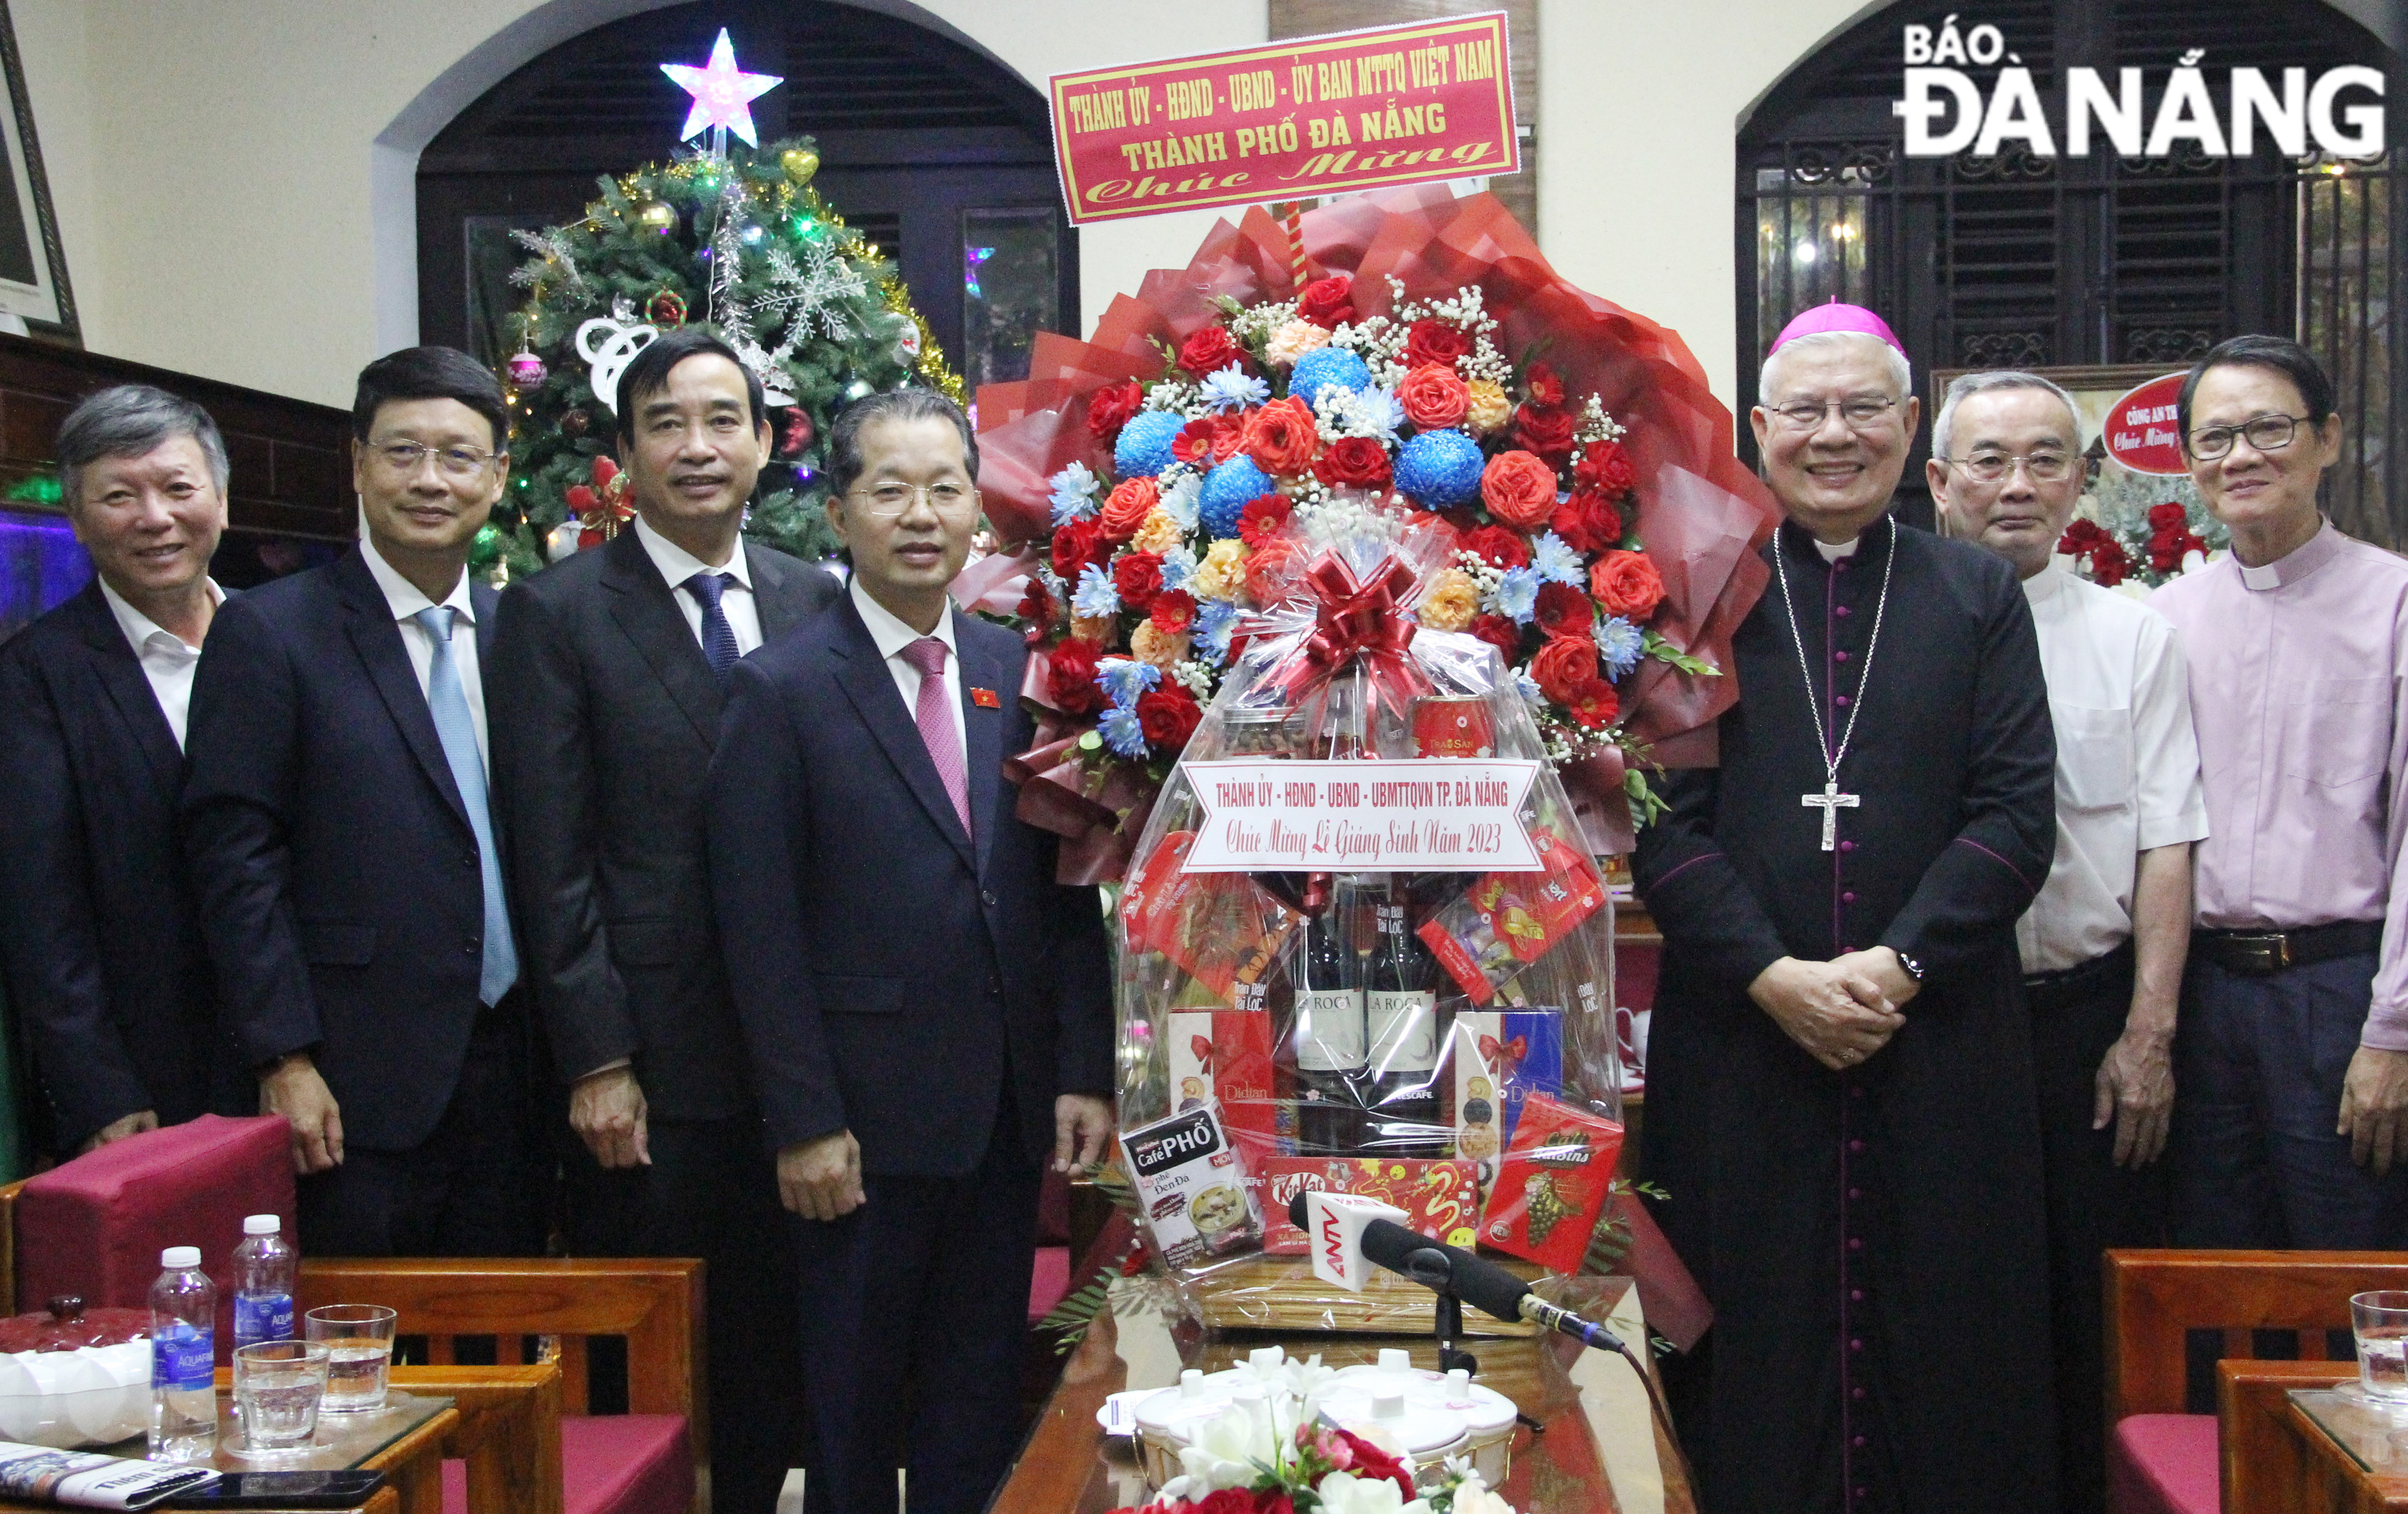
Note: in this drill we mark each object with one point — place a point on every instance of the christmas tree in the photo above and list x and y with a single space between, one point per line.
734 237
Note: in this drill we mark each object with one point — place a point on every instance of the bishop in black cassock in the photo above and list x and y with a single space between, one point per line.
1840 1106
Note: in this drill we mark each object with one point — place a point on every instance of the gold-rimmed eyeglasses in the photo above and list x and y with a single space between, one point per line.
403 458
1989 467
1862 413
889 500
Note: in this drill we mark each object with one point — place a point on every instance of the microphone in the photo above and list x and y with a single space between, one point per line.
1345 1227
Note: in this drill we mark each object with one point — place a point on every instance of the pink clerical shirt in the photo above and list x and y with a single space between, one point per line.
2295 685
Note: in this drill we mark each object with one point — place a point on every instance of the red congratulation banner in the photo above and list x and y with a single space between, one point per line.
2140 431
1289 121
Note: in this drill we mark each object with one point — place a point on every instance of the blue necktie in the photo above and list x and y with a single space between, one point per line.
450 708
718 636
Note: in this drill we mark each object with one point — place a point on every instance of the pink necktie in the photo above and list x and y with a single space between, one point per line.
937 730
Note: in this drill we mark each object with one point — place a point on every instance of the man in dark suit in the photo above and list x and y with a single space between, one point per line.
337 828
609 674
98 939
929 1012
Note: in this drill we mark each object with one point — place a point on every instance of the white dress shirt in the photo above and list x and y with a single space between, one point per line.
407 600
892 637
735 599
2127 778
168 659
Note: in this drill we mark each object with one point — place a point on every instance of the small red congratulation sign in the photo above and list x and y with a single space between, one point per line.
2141 429
1288 120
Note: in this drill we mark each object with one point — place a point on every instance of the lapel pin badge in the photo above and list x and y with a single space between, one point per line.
986 699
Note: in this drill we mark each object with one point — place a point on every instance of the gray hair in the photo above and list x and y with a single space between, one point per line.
1901 375
844 460
128 421
1967 384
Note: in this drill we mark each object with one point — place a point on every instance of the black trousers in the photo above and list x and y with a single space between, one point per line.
711 1192
475 1187
914 1308
2093 1205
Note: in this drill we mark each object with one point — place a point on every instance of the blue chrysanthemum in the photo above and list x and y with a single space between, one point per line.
1233 389
1619 645
1144 448
1518 594
1213 625
1177 566
1325 367
1095 595
1124 680
1553 559
1438 468
1122 732
1528 687
1227 490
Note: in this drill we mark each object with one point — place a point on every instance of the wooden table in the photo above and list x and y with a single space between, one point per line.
2293 1445
1599 1452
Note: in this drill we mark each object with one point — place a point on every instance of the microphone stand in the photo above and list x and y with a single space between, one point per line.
1434 1270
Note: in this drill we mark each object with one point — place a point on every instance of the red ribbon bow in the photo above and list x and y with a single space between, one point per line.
1202 1045
1357 619
1504 1055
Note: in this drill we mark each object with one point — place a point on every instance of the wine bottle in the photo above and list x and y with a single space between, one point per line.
1328 1037
1400 1007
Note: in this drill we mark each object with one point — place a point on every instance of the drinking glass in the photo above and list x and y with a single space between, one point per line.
358 1341
2380 1321
278 1388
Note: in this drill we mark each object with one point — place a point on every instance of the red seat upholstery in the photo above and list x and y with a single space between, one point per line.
95 1225
617 1464
2164 1464
1050 1283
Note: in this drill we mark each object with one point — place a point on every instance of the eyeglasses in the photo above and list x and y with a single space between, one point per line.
456 462
2265 432
888 500
1860 413
1989 467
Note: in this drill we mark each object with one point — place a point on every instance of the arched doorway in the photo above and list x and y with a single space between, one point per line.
2029 262
935 152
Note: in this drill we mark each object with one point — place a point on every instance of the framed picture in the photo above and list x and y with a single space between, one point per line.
33 269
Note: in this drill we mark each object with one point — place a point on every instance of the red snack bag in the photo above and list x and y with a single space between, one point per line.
1224 929
1553 1184
1507 920
1224 1055
1440 1196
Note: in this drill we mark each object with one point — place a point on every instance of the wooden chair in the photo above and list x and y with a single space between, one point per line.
2160 1457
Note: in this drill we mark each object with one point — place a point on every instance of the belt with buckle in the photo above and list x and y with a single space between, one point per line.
2044 992
2262 953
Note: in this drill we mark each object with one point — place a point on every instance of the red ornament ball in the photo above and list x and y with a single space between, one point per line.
575 422
665 308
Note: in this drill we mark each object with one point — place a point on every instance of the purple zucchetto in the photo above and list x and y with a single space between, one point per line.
1835 316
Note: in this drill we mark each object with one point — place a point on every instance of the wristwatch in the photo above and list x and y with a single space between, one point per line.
1913 968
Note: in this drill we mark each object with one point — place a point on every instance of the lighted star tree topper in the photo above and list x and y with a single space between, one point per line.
722 97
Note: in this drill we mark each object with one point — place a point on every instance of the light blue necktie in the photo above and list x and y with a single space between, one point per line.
458 731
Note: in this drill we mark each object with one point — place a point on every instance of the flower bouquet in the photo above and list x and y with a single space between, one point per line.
2134 538
1408 348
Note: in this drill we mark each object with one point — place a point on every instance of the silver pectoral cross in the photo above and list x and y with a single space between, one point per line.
1831 802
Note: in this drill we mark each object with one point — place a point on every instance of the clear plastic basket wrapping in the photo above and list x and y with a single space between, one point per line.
1398 1020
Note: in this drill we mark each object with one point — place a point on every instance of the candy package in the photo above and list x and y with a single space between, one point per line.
1552 1186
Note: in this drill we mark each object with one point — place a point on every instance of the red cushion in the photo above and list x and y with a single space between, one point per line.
1634 975
1050 1282
1053 1208
2165 1464
621 1463
95 1226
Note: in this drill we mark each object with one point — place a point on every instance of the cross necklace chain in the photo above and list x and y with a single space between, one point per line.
1832 801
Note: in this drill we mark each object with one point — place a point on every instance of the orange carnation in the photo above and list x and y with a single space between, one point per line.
1125 510
1433 397
1281 438
1267 567
1628 585
1519 489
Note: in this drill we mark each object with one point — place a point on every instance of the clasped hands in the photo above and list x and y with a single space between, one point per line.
1841 1011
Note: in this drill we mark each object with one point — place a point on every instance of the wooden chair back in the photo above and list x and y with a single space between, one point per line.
2154 1299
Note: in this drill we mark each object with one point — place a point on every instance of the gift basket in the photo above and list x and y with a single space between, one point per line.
1363 946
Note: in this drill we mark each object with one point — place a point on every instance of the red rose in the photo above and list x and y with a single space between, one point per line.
1228 1500
1036 605
1565 611
1109 409
2081 536
2109 562
1173 612
1543 386
1360 462
1627 584
1563 665
1075 545
1586 523
1496 547
1543 431
1207 440
1605 466
1070 676
1273 1501
1327 303
1267 564
1499 633
1263 518
1434 341
1138 575
1519 489
1127 507
1594 704
1281 438
1372 1464
1209 350
2168 517
1168 716
1434 398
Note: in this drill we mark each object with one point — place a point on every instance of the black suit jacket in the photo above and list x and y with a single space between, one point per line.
339 887
893 975
605 714
98 934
